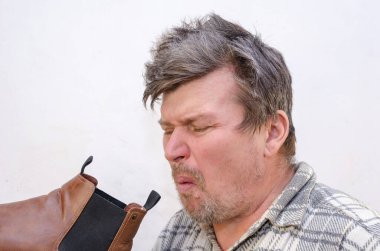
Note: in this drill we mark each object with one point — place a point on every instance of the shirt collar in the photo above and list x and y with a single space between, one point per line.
290 206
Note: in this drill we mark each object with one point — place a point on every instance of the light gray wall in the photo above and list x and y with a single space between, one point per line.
71 85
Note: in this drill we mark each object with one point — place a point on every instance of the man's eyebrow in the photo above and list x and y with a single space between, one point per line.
188 120
163 122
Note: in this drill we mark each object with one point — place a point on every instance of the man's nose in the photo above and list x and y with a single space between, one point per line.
176 147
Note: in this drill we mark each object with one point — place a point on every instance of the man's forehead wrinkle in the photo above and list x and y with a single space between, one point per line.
188 119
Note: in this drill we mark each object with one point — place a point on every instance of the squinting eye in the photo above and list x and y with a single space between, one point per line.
199 129
168 131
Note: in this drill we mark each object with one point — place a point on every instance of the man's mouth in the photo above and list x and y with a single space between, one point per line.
184 183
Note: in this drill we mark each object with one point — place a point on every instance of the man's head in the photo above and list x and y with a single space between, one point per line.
197 48
226 114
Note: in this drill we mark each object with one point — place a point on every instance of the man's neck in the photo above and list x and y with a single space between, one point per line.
230 231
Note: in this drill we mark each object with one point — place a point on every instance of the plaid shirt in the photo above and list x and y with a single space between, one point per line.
305 216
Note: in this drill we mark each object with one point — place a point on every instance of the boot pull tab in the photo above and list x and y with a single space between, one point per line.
152 200
86 163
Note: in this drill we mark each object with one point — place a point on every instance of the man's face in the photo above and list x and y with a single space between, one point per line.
217 168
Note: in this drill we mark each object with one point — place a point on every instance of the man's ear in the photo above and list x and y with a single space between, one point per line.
278 130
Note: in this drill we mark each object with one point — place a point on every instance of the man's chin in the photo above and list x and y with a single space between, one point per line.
195 210
188 201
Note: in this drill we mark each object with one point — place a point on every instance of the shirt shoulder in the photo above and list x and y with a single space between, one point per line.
334 214
182 233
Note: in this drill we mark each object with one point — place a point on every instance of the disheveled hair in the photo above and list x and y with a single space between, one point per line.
198 47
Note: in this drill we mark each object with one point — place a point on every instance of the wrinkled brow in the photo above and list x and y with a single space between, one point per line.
189 119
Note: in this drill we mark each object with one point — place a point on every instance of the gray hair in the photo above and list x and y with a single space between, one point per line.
198 47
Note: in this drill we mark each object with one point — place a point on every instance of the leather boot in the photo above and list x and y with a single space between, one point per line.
77 216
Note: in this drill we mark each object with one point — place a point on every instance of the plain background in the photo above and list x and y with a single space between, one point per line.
71 83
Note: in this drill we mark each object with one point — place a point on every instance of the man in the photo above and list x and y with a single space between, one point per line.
230 141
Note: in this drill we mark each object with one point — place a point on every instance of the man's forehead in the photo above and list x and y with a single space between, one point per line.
204 98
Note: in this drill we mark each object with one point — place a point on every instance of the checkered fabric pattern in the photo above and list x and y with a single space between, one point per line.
305 216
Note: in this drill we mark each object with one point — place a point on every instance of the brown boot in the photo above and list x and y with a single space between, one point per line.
77 216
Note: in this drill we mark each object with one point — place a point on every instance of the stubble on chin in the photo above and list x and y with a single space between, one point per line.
202 206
